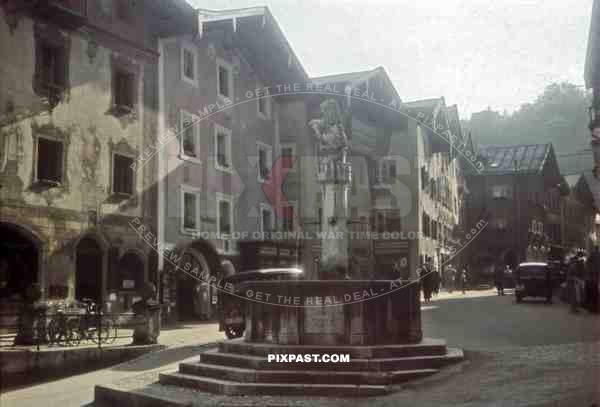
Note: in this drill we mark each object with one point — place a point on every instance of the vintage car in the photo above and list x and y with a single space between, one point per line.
533 280
232 302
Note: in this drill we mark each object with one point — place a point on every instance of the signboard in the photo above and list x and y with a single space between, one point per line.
214 300
128 284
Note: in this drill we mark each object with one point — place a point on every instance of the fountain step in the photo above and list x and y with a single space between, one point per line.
301 375
233 388
427 347
215 357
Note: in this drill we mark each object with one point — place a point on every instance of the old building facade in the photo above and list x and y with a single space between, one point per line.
78 106
212 174
592 81
517 194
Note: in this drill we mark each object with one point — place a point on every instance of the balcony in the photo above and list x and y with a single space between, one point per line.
66 13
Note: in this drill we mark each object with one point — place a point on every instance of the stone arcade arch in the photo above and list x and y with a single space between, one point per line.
21 257
193 299
90 260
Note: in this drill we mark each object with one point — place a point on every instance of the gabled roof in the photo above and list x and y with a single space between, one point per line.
247 22
428 107
355 78
343 77
514 159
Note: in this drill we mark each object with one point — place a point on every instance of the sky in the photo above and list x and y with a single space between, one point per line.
475 53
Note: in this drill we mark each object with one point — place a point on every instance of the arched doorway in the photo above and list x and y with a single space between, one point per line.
130 277
193 296
19 261
88 275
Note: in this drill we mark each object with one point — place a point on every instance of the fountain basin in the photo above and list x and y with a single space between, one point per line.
332 312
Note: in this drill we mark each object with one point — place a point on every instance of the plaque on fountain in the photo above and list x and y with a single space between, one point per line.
324 324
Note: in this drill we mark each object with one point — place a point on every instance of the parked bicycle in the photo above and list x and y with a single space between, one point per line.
93 325
67 329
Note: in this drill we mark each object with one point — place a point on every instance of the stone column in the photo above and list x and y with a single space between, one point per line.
335 177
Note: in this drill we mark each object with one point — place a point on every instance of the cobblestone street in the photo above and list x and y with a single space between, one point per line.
528 354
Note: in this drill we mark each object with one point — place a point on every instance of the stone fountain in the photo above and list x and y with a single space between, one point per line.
376 322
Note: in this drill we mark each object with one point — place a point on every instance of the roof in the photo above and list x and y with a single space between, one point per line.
511 159
357 77
342 77
206 16
426 106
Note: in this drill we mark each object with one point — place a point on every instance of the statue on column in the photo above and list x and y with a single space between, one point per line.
330 130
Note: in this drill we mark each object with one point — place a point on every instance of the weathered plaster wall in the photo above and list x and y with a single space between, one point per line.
60 215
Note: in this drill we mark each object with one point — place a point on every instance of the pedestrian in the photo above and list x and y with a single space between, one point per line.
436 282
426 282
450 276
463 279
573 277
592 266
499 277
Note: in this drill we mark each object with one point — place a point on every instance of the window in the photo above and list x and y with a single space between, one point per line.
223 148
224 80
123 90
123 178
51 65
264 105
424 178
288 218
380 222
190 210
386 171
224 221
188 64
288 152
49 161
264 160
189 135
267 219
501 191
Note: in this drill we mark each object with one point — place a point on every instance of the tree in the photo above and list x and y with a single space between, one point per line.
558 116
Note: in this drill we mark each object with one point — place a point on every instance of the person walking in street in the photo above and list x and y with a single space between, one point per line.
427 282
450 276
499 277
463 279
575 273
591 289
436 282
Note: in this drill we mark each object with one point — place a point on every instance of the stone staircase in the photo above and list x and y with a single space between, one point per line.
242 368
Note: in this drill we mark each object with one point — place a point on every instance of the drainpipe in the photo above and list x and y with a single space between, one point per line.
160 173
